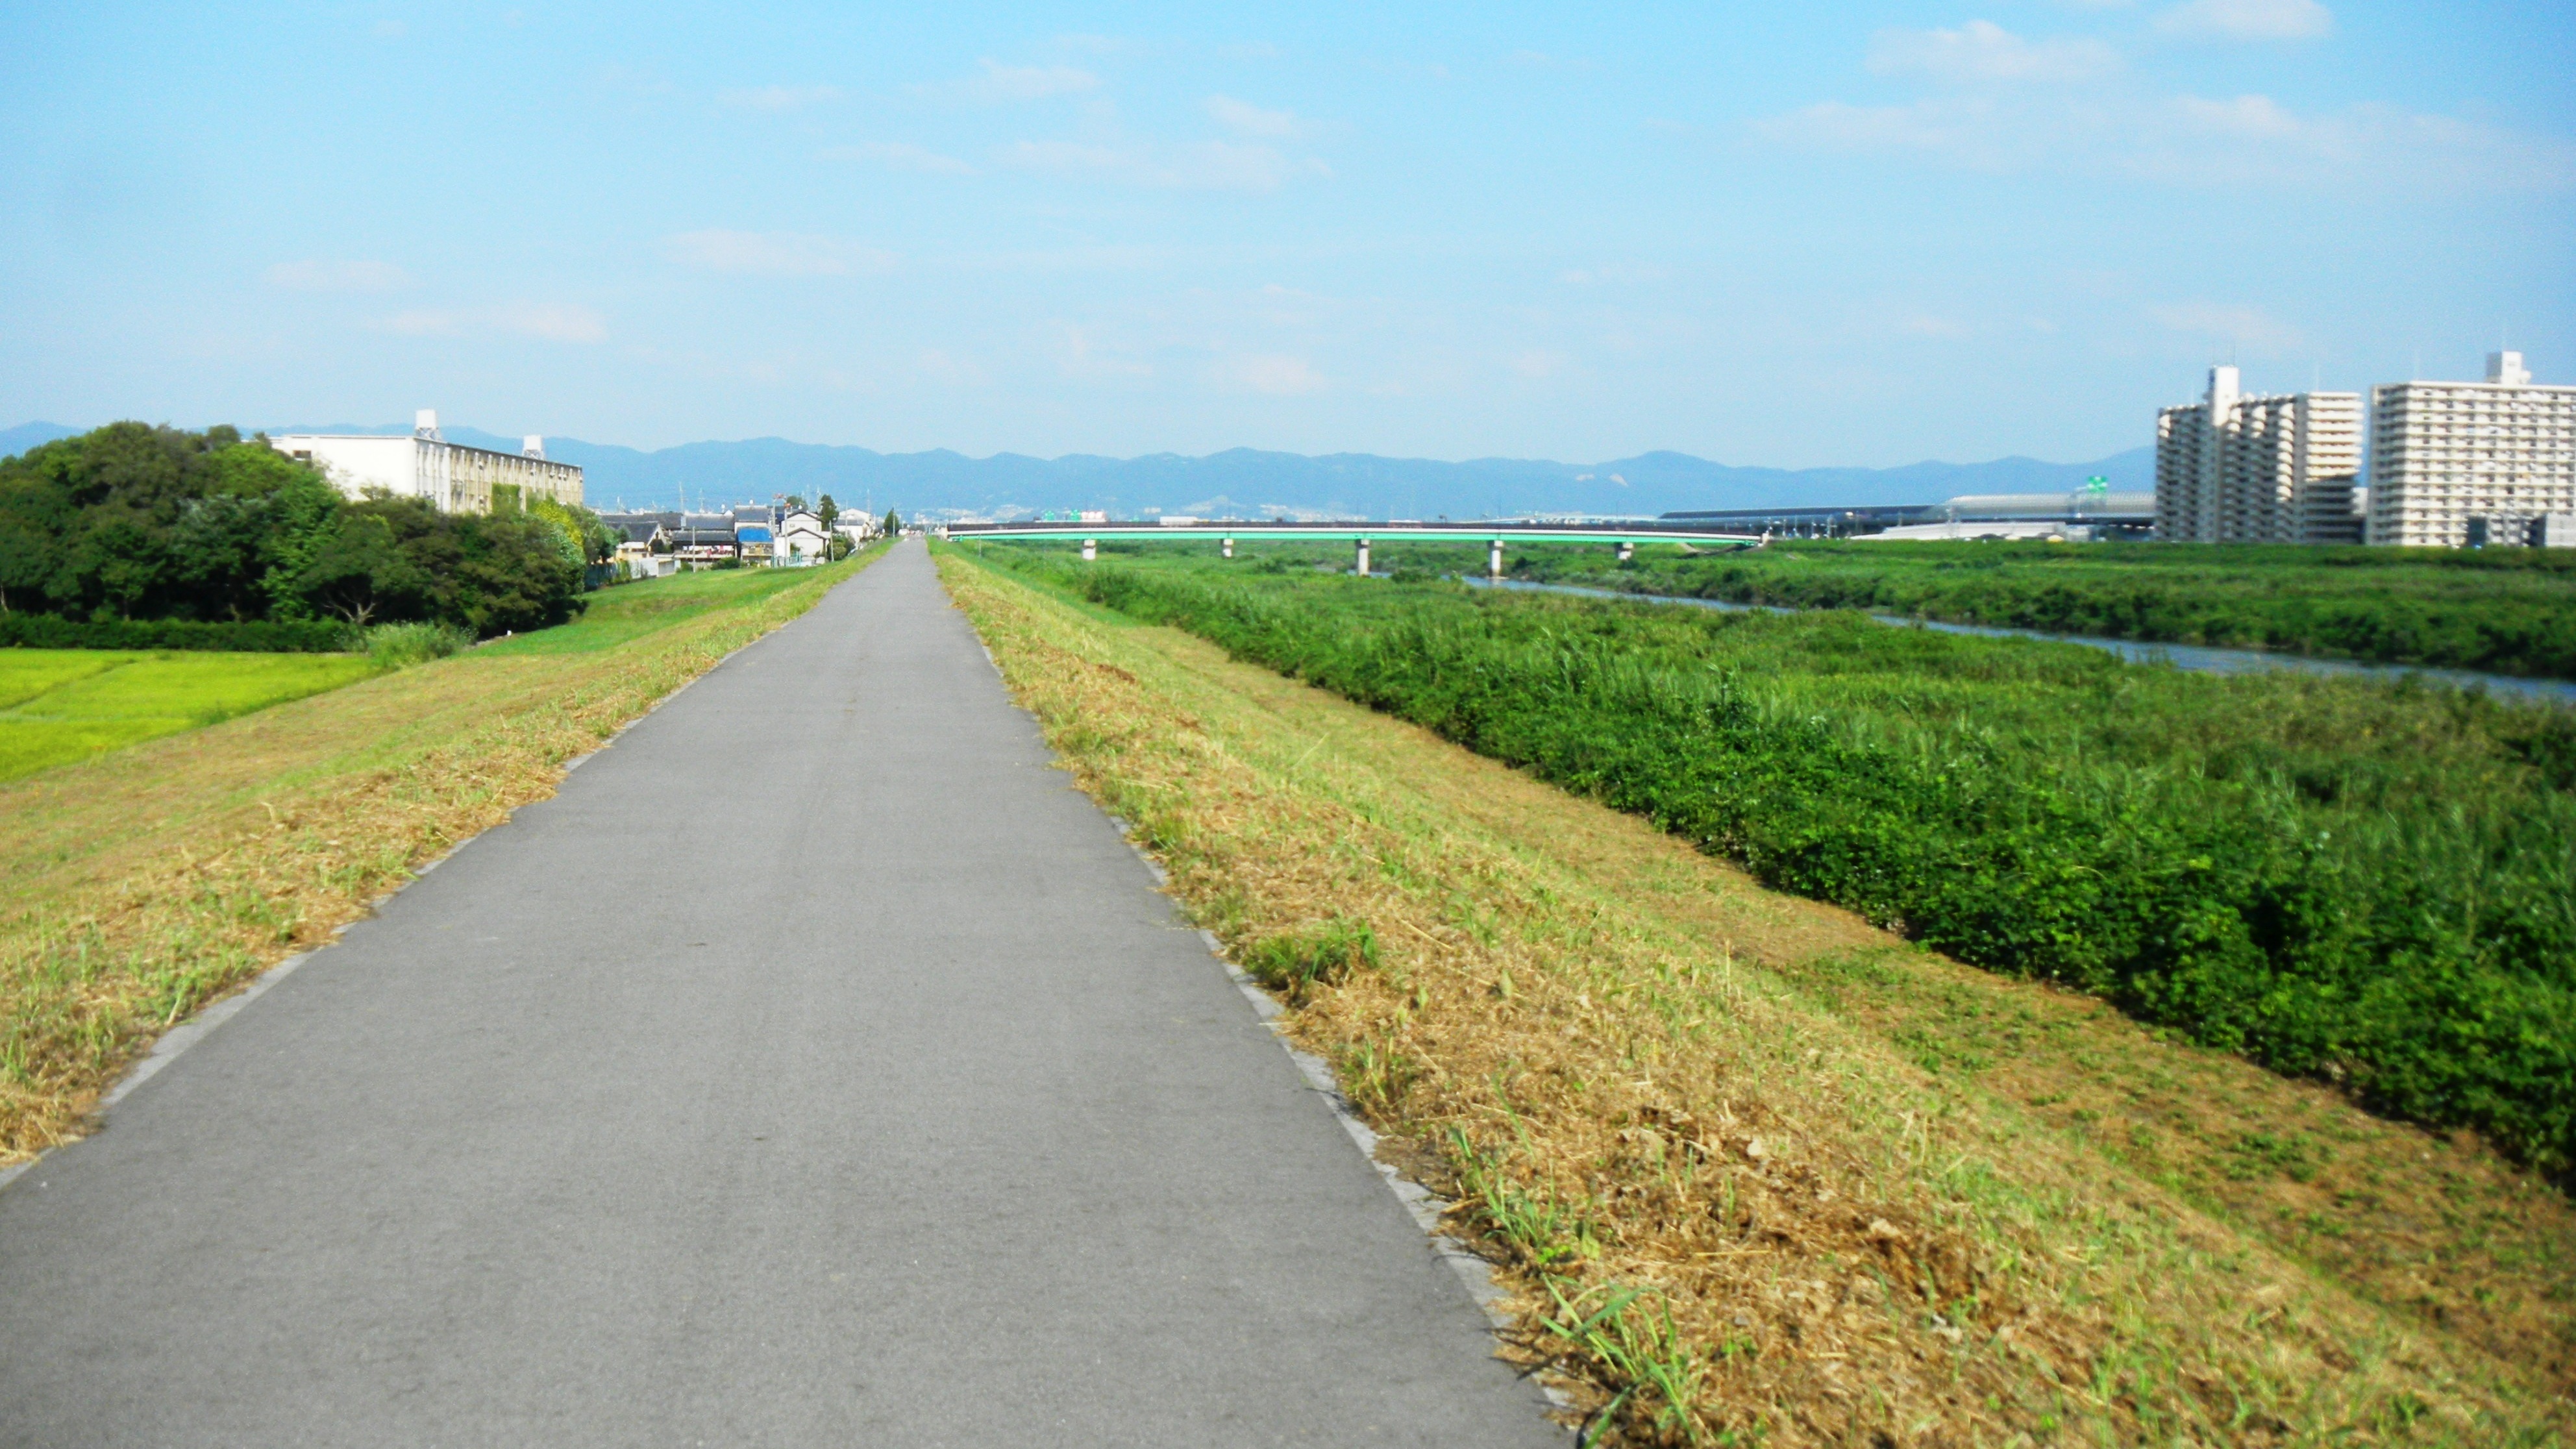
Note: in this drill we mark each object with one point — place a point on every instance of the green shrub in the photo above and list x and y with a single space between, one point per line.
399 646
1294 963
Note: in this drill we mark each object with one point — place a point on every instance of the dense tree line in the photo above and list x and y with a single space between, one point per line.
133 522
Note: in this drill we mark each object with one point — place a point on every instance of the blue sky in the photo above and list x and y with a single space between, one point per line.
1792 235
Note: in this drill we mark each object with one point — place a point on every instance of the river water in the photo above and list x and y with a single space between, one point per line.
2181 656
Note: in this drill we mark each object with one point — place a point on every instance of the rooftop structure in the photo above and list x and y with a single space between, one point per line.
2454 463
454 478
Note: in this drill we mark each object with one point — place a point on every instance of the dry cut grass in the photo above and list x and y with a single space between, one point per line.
1729 1147
142 884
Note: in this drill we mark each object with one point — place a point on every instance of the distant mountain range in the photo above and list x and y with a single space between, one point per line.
19 439
1245 482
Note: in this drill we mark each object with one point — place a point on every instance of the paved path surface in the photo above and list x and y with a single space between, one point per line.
818 1068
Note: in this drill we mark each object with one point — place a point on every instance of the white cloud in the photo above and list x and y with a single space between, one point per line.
544 321
1252 120
1115 258
1983 52
2247 20
903 156
325 276
2252 118
551 322
1537 363
776 253
1968 131
1205 165
1924 324
2255 138
2191 141
780 98
424 324
1076 357
1007 84
1614 273
2225 322
1274 374
942 366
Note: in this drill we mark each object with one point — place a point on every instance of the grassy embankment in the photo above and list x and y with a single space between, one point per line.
59 705
2363 883
143 883
2504 611
1767 1170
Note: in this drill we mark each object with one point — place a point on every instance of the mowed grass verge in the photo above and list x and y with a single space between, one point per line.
1755 1169
60 705
144 883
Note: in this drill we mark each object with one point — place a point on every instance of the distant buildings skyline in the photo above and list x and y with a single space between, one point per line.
2449 463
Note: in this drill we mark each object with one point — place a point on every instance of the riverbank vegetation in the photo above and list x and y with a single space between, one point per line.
2501 611
1753 1170
2368 885
236 544
141 884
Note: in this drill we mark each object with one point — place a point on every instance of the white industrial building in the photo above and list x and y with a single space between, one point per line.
2454 463
453 477
2259 468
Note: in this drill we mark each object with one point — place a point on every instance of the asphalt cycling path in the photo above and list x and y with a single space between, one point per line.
816 1068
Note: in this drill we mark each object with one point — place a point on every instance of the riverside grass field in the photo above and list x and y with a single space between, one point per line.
2359 883
2501 611
60 705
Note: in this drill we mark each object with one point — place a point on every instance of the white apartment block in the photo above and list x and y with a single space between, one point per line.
2269 468
452 476
2456 462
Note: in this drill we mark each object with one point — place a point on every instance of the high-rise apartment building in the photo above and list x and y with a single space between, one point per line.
2453 463
2266 468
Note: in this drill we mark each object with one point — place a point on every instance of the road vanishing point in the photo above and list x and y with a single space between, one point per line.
817 1067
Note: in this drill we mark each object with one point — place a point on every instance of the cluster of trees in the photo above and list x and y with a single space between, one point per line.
133 522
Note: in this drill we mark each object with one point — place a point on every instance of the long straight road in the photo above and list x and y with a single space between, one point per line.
816 1068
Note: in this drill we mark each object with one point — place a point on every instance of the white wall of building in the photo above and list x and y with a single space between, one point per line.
452 477
2443 453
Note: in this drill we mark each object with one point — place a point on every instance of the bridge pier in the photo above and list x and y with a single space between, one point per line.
1229 548
1363 558
1627 551
1090 549
1494 560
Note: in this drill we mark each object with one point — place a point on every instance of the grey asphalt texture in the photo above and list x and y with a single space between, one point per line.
817 1067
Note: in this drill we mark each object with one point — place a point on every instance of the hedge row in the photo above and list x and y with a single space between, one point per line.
45 631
